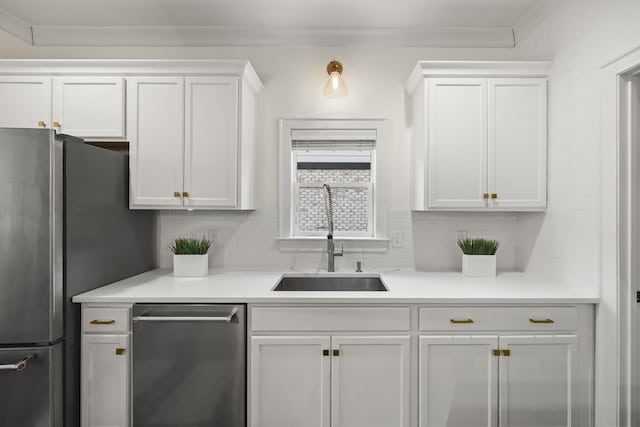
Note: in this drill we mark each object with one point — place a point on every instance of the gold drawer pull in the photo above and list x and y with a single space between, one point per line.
540 320
506 353
42 124
102 322
119 351
485 196
325 352
176 194
461 321
494 196
57 125
185 194
336 352
496 352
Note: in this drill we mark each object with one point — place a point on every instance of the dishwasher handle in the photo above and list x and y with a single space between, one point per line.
221 319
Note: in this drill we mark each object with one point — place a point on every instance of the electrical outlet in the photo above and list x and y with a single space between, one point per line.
396 239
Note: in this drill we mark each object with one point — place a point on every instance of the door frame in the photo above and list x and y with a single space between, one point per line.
614 376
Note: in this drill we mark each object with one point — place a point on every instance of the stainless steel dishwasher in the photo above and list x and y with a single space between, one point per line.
189 365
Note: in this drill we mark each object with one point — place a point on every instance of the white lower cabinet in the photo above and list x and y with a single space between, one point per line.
105 380
506 366
458 381
536 381
290 382
370 381
330 366
323 381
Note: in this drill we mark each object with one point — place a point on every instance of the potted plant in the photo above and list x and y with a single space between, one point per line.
190 258
478 257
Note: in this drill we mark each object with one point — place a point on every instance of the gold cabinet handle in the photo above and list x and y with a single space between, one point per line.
57 125
496 352
336 352
325 351
506 353
456 321
494 196
176 194
485 196
540 320
102 322
185 194
119 351
42 124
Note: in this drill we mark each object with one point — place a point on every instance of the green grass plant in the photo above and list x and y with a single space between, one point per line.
190 246
478 246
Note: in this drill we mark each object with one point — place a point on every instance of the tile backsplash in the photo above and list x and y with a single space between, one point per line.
424 240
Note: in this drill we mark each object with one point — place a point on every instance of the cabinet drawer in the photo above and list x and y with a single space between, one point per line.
265 319
107 319
498 319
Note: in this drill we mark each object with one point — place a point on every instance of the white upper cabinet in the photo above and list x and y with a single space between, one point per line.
192 140
211 142
25 102
155 128
479 136
518 142
457 150
84 106
89 107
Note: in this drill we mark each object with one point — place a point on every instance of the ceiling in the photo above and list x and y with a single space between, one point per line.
272 22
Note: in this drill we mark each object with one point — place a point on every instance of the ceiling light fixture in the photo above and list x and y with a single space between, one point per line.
335 87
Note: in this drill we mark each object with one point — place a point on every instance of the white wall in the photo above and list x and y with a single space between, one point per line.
581 37
293 79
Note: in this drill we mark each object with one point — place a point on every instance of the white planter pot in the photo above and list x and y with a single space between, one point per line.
190 265
479 265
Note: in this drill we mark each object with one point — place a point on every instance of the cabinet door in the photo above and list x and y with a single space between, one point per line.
155 129
457 152
518 143
290 381
211 142
105 380
25 102
536 380
458 381
89 106
370 381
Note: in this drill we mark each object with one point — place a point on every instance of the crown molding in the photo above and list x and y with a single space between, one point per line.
271 36
15 26
425 69
534 17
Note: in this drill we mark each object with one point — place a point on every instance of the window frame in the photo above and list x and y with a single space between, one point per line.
289 185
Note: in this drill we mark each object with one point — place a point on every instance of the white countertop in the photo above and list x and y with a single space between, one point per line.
233 286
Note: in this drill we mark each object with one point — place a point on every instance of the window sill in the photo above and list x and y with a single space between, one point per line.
319 244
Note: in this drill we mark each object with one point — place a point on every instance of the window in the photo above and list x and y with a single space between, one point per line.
342 154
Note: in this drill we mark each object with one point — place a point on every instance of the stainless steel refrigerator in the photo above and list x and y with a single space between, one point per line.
65 228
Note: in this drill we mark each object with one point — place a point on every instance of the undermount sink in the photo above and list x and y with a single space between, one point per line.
330 284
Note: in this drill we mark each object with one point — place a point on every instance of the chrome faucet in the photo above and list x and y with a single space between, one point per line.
331 248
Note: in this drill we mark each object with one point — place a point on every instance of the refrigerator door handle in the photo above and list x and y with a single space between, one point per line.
18 366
